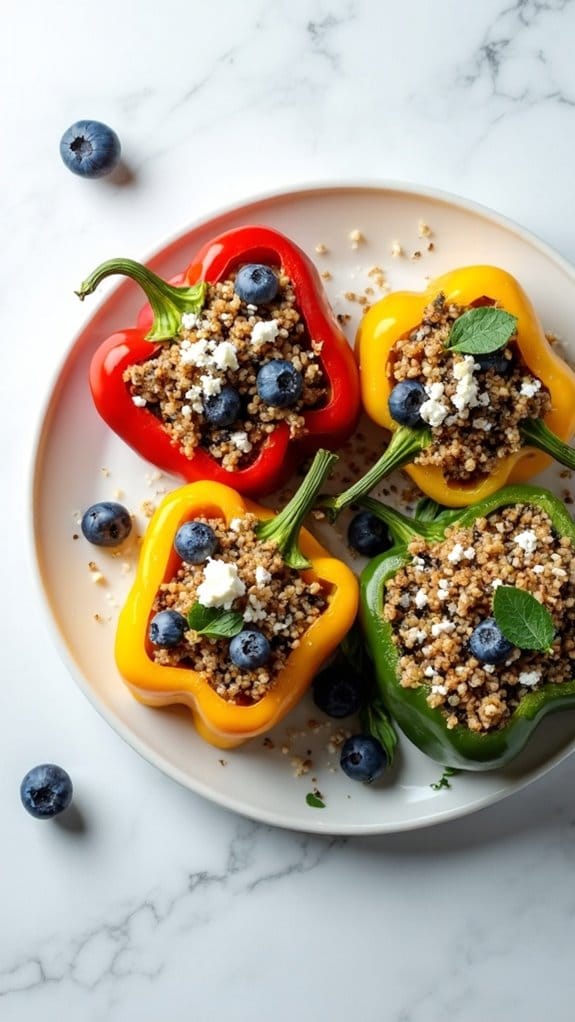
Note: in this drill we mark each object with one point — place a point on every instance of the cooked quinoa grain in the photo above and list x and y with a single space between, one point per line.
226 344
474 413
434 603
277 602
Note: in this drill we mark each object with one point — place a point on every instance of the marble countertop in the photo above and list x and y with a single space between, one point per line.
149 902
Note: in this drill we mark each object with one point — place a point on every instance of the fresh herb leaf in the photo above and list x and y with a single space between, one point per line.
443 781
522 619
314 800
375 720
481 331
215 622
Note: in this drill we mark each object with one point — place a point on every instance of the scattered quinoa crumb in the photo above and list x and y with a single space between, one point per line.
357 238
416 254
396 249
326 275
423 229
148 507
321 249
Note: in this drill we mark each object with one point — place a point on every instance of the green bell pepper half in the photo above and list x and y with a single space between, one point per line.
426 727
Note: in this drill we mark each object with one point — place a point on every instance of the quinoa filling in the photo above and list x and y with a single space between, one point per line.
474 409
276 601
434 603
225 345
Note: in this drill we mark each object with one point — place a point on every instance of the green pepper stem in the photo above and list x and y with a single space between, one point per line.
537 434
285 527
168 302
402 528
403 447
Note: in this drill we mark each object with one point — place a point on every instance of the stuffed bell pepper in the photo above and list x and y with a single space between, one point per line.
233 609
464 378
232 373
470 621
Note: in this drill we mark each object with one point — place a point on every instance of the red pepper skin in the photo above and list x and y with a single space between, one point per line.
328 426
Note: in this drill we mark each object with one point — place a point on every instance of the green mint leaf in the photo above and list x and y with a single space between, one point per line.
215 622
522 619
375 720
443 781
482 330
314 800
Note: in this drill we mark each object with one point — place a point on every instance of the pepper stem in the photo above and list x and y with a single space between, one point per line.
285 527
403 447
168 302
402 528
537 434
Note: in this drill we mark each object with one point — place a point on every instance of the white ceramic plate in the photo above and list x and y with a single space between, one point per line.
79 461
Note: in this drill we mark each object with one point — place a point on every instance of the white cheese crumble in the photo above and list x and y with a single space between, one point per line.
456 554
255 610
420 599
418 562
538 569
416 635
224 355
439 690
264 332
140 402
186 411
404 600
221 584
433 411
189 320
197 354
469 553
496 582
529 386
529 678
527 540
235 525
241 441
442 626
263 576
429 672
466 390
211 385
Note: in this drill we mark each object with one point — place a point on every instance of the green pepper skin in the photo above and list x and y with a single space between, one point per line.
426 727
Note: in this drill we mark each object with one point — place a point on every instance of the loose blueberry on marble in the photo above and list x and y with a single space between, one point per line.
494 360
90 149
337 691
405 402
167 629
256 284
488 644
223 409
250 649
106 523
195 542
368 534
279 383
46 791
363 758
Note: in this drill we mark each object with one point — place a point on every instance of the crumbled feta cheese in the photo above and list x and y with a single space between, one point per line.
442 594
538 569
224 355
469 553
429 672
529 386
490 668
416 635
251 308
255 610
456 554
404 600
433 411
262 575
443 583
442 626
529 678
211 385
221 584
140 402
466 390
189 320
558 572
236 525
418 562
186 411
421 600
241 441
527 540
194 396
197 354
264 332
439 690
496 582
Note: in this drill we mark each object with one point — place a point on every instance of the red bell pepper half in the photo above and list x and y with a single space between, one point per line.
160 321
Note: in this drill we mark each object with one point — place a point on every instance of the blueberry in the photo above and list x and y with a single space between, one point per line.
249 649
337 691
90 149
46 791
488 643
224 408
494 360
195 542
279 383
106 523
368 534
363 758
405 401
167 629
256 284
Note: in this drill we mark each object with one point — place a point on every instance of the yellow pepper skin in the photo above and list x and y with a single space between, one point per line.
221 723
396 315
